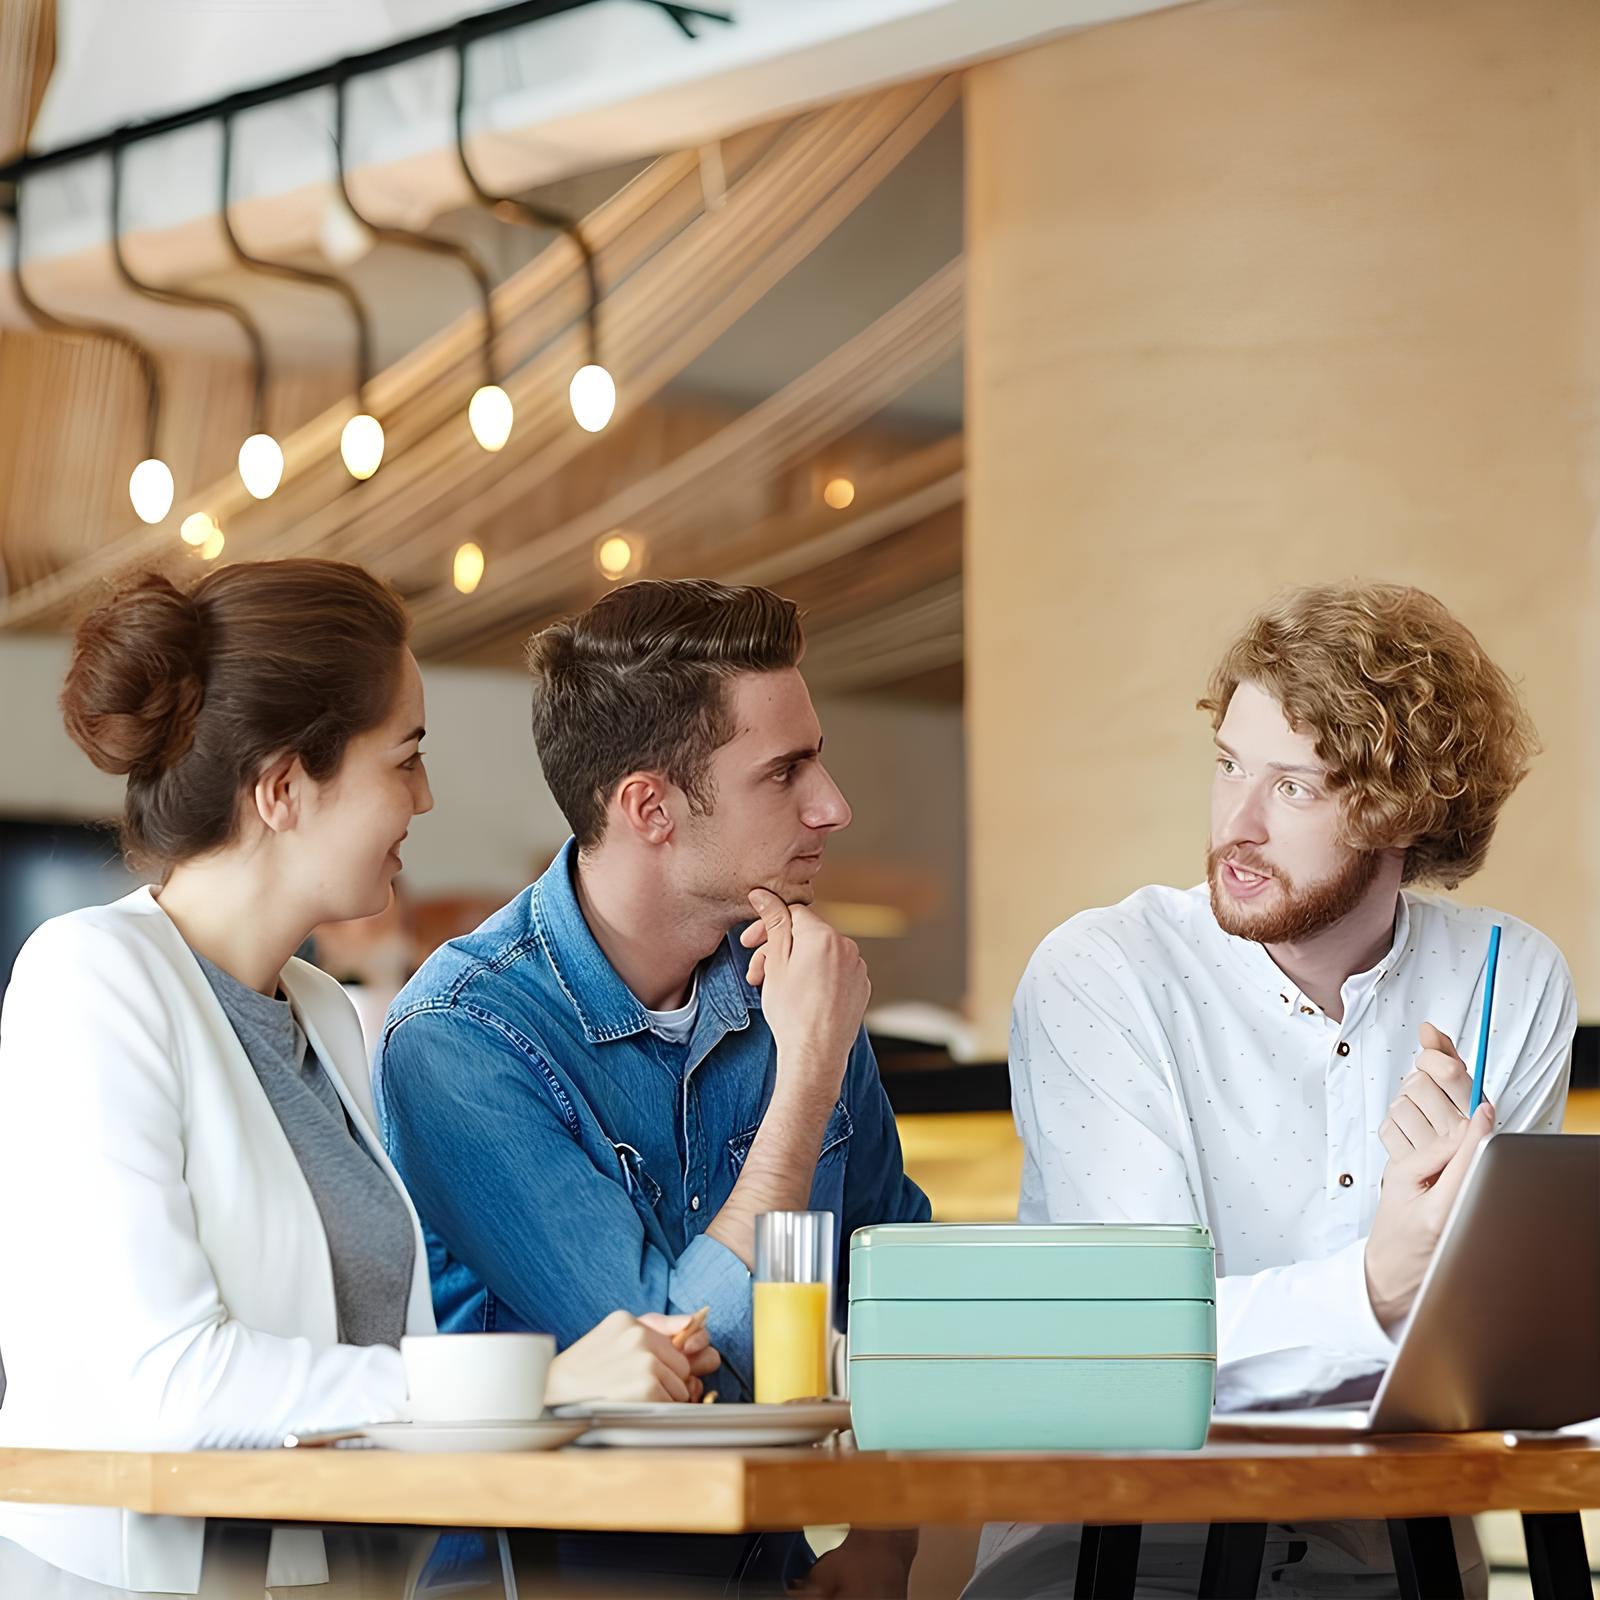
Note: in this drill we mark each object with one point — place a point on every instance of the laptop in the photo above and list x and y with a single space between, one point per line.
1505 1330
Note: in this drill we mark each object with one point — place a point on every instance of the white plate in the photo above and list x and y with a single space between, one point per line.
548 1434
727 1427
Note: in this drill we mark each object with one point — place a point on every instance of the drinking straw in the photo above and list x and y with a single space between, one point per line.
1483 1026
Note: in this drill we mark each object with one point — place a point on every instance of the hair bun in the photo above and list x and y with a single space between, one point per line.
137 678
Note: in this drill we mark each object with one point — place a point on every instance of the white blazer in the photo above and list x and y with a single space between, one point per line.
164 1275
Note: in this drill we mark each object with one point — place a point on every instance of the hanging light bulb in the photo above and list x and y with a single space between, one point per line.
361 445
150 488
489 415
467 572
615 556
212 548
593 394
197 527
344 238
261 464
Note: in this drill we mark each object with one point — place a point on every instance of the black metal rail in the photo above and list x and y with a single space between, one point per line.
454 37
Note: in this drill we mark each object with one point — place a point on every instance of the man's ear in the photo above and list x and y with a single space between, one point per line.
644 801
279 793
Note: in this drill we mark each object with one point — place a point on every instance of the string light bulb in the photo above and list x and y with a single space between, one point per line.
344 238
489 415
467 571
197 527
150 488
361 445
212 548
615 556
261 465
839 493
593 393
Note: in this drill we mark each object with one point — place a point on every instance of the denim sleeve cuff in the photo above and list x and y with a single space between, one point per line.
708 1273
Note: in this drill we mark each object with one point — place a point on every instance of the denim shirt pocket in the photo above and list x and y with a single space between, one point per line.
835 1138
641 1188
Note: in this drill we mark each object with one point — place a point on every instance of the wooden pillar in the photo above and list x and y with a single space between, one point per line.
1265 292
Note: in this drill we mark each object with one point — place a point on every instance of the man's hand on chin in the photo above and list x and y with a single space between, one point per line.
814 991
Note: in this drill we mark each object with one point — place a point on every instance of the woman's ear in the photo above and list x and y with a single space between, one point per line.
278 793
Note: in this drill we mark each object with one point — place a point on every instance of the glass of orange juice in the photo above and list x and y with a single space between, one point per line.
793 1304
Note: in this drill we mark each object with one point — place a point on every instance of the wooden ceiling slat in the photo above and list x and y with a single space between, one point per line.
707 282
435 376
27 54
841 391
918 486
918 634
871 581
880 582
916 497
789 188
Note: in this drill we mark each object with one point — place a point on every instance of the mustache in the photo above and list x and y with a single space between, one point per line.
1248 859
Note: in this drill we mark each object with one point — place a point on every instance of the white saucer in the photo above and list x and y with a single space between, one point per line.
727 1427
474 1437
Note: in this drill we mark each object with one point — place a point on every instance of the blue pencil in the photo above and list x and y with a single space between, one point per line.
1483 1026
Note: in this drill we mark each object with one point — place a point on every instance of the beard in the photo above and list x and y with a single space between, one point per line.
719 883
1294 914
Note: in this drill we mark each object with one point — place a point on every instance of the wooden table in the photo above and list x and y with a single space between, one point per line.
1237 1487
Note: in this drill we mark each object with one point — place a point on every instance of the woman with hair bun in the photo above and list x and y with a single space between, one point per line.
204 1244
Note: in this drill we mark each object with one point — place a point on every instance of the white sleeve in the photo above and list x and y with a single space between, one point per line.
107 1298
1297 1332
1100 1134
1532 1097
1104 1140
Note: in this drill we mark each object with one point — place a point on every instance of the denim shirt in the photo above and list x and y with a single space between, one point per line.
566 1161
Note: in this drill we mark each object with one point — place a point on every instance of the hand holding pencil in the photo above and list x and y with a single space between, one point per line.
1427 1119
1433 1129
1430 1116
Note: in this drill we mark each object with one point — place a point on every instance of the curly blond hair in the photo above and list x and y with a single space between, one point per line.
1424 737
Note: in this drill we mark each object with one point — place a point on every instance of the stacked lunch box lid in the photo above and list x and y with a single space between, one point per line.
1021 1336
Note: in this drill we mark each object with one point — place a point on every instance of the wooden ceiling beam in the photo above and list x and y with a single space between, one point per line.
836 395
917 549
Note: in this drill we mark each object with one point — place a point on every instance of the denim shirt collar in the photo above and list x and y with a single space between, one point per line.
605 1006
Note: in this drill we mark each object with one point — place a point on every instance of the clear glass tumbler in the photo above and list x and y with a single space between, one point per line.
793 1304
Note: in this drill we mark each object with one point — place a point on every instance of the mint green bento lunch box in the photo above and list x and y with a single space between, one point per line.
1014 1336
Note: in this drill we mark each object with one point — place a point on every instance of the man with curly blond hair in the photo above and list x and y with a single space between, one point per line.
1277 1053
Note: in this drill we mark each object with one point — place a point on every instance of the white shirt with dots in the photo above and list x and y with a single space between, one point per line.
1165 1071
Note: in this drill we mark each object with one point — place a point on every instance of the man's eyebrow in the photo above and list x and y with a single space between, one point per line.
792 757
1277 766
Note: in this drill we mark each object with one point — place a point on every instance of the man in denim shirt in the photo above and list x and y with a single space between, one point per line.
593 1096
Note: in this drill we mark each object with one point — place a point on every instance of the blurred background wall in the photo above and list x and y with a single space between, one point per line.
1261 293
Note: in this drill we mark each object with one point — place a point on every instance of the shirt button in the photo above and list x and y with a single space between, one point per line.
694 1204
1344 1049
1345 1180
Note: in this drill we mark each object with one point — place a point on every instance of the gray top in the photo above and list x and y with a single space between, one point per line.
370 1242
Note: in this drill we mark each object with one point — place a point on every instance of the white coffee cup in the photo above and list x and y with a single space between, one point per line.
476 1377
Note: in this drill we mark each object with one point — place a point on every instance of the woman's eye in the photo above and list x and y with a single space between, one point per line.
1226 767
1291 790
